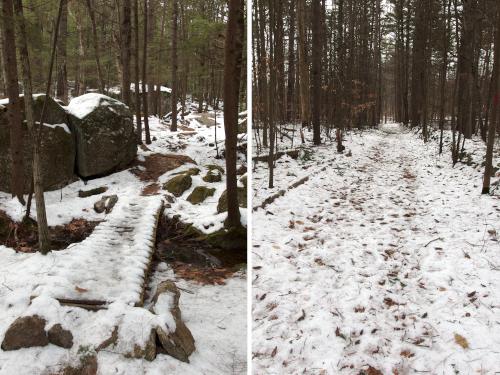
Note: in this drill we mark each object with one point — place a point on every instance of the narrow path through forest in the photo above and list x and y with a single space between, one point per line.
387 261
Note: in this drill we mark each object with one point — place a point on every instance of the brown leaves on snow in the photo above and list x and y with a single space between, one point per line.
462 341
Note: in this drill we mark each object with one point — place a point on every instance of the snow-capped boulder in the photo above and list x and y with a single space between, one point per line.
57 146
105 134
25 332
176 340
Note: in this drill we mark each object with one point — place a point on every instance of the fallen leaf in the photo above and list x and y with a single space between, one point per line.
81 290
407 354
274 352
462 341
373 371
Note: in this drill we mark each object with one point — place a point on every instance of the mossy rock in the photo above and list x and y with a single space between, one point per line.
178 184
242 200
199 194
191 231
234 239
212 167
213 175
243 180
190 172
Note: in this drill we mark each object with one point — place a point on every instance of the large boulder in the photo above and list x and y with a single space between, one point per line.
57 146
105 134
25 332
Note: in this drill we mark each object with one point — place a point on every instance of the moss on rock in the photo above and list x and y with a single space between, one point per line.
190 171
178 184
242 200
213 175
212 167
234 239
199 194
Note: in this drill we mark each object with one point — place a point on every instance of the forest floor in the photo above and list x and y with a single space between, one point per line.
110 264
387 262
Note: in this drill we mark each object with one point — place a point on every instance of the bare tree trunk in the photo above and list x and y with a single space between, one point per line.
272 92
41 215
291 64
466 70
263 63
495 113
14 114
145 89
80 67
137 73
316 71
126 39
158 100
444 70
96 46
233 61
303 68
175 16
62 72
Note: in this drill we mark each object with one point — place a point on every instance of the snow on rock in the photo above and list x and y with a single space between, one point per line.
388 259
105 134
216 315
84 105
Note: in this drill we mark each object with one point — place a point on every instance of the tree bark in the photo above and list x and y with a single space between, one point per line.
96 47
137 93
233 61
495 113
62 70
303 66
41 215
175 16
316 71
145 89
14 113
126 39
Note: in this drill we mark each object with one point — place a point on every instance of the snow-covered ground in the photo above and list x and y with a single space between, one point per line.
388 260
216 315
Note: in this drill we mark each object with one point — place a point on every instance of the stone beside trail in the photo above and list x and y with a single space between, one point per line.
25 332
178 184
178 343
199 194
57 147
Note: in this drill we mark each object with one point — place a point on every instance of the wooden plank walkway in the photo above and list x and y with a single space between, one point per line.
112 264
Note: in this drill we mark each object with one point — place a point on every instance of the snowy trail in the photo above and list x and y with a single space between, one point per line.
108 266
380 262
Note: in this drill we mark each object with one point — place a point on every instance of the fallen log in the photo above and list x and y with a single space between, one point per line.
294 154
